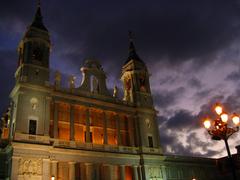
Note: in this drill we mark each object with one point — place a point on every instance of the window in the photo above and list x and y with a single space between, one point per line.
91 140
150 141
32 127
85 134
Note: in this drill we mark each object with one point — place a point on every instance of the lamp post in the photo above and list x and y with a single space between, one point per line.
221 129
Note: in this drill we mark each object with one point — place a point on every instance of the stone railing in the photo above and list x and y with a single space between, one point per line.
148 150
83 146
31 138
95 147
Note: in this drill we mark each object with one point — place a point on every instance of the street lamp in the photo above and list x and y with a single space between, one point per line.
221 129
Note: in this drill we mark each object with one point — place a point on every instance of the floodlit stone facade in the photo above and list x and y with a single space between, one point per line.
85 131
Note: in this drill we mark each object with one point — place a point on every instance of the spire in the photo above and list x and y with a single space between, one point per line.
132 51
131 45
37 21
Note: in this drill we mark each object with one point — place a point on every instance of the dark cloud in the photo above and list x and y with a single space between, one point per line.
164 99
167 80
177 30
233 76
194 142
173 141
7 59
232 102
173 32
195 83
202 94
182 119
182 30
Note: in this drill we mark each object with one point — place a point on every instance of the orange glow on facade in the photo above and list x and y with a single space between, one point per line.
5 133
78 131
97 135
128 173
63 131
96 120
63 112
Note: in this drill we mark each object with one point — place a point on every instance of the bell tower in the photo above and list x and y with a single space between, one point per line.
31 94
135 78
33 50
136 86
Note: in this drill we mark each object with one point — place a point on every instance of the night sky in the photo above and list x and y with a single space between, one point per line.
191 48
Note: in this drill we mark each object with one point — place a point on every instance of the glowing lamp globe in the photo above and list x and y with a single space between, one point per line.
218 109
224 117
235 119
207 124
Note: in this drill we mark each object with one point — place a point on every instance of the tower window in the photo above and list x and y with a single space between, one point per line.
150 141
37 54
32 129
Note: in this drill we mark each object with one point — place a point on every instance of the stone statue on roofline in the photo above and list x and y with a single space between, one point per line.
57 79
71 81
115 91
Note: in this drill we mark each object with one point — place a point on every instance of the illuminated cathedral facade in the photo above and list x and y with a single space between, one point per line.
84 131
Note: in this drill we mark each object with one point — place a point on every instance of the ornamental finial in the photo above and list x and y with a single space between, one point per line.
130 36
38 3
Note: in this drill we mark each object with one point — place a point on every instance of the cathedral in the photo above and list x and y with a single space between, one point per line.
84 131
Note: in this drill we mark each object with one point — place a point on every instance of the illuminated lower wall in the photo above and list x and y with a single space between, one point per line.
96 118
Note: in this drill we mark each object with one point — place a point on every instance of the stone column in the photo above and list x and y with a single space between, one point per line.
71 170
118 130
89 171
130 132
140 173
46 168
122 172
47 116
107 172
137 134
114 172
72 132
55 121
135 172
87 126
145 170
82 171
164 173
54 170
105 140
97 169
15 164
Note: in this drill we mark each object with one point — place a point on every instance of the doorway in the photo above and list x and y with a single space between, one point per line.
32 129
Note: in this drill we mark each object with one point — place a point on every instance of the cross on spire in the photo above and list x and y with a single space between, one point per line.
131 46
132 55
38 3
130 36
